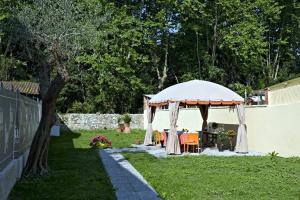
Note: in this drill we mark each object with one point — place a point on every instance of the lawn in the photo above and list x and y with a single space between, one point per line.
204 177
119 140
76 171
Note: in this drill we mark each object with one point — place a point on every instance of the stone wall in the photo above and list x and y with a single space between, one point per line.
99 121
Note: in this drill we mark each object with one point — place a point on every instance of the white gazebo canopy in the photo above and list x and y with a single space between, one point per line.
203 94
197 92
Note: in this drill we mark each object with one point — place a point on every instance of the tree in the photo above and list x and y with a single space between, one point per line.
11 68
54 31
140 47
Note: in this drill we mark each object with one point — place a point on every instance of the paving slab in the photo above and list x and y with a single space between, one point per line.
126 180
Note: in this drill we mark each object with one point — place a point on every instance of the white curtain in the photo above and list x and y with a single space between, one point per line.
241 141
150 117
173 146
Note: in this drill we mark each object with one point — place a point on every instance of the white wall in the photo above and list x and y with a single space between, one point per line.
290 94
270 128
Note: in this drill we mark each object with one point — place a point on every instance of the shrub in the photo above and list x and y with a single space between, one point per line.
273 155
126 118
100 141
231 133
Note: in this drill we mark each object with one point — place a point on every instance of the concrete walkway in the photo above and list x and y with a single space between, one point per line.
126 180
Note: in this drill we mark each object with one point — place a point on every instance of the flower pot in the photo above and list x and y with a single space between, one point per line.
127 128
121 128
137 141
220 147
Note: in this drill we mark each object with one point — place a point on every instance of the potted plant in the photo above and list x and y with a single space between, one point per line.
100 142
231 134
221 140
127 120
121 127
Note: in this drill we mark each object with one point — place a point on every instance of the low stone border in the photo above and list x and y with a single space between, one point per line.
126 180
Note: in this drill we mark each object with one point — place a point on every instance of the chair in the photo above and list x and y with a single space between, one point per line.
192 140
157 137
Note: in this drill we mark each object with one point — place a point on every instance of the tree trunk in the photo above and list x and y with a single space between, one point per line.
198 56
276 70
214 47
37 163
162 78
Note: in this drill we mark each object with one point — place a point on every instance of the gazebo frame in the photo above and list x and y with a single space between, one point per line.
173 143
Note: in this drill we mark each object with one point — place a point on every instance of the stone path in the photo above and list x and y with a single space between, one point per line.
126 180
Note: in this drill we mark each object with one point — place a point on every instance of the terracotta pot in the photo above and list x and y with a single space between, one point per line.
137 141
127 128
121 128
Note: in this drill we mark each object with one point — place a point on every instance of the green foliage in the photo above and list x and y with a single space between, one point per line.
11 68
273 155
240 88
223 138
231 133
78 107
114 50
127 118
53 29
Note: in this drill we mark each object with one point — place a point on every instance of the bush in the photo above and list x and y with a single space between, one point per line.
100 141
79 107
126 118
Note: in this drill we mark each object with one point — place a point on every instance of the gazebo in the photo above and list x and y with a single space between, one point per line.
200 93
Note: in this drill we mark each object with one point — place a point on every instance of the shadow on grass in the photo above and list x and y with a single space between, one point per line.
76 172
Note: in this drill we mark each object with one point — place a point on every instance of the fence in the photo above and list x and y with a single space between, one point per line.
19 119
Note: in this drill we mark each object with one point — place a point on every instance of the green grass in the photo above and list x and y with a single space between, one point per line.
76 171
119 140
204 177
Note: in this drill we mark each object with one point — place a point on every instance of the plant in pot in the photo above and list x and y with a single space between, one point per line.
221 140
127 120
100 141
231 134
121 126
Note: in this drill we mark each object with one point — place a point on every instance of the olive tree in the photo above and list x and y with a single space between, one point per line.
54 32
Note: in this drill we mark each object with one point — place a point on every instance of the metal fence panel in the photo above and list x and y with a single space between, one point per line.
19 119
7 122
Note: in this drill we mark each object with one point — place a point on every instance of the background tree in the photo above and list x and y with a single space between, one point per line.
149 45
53 32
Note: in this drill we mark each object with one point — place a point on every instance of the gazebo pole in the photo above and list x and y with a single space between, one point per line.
241 140
204 114
173 146
150 117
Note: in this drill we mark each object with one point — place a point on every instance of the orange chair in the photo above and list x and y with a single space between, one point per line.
157 137
192 140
